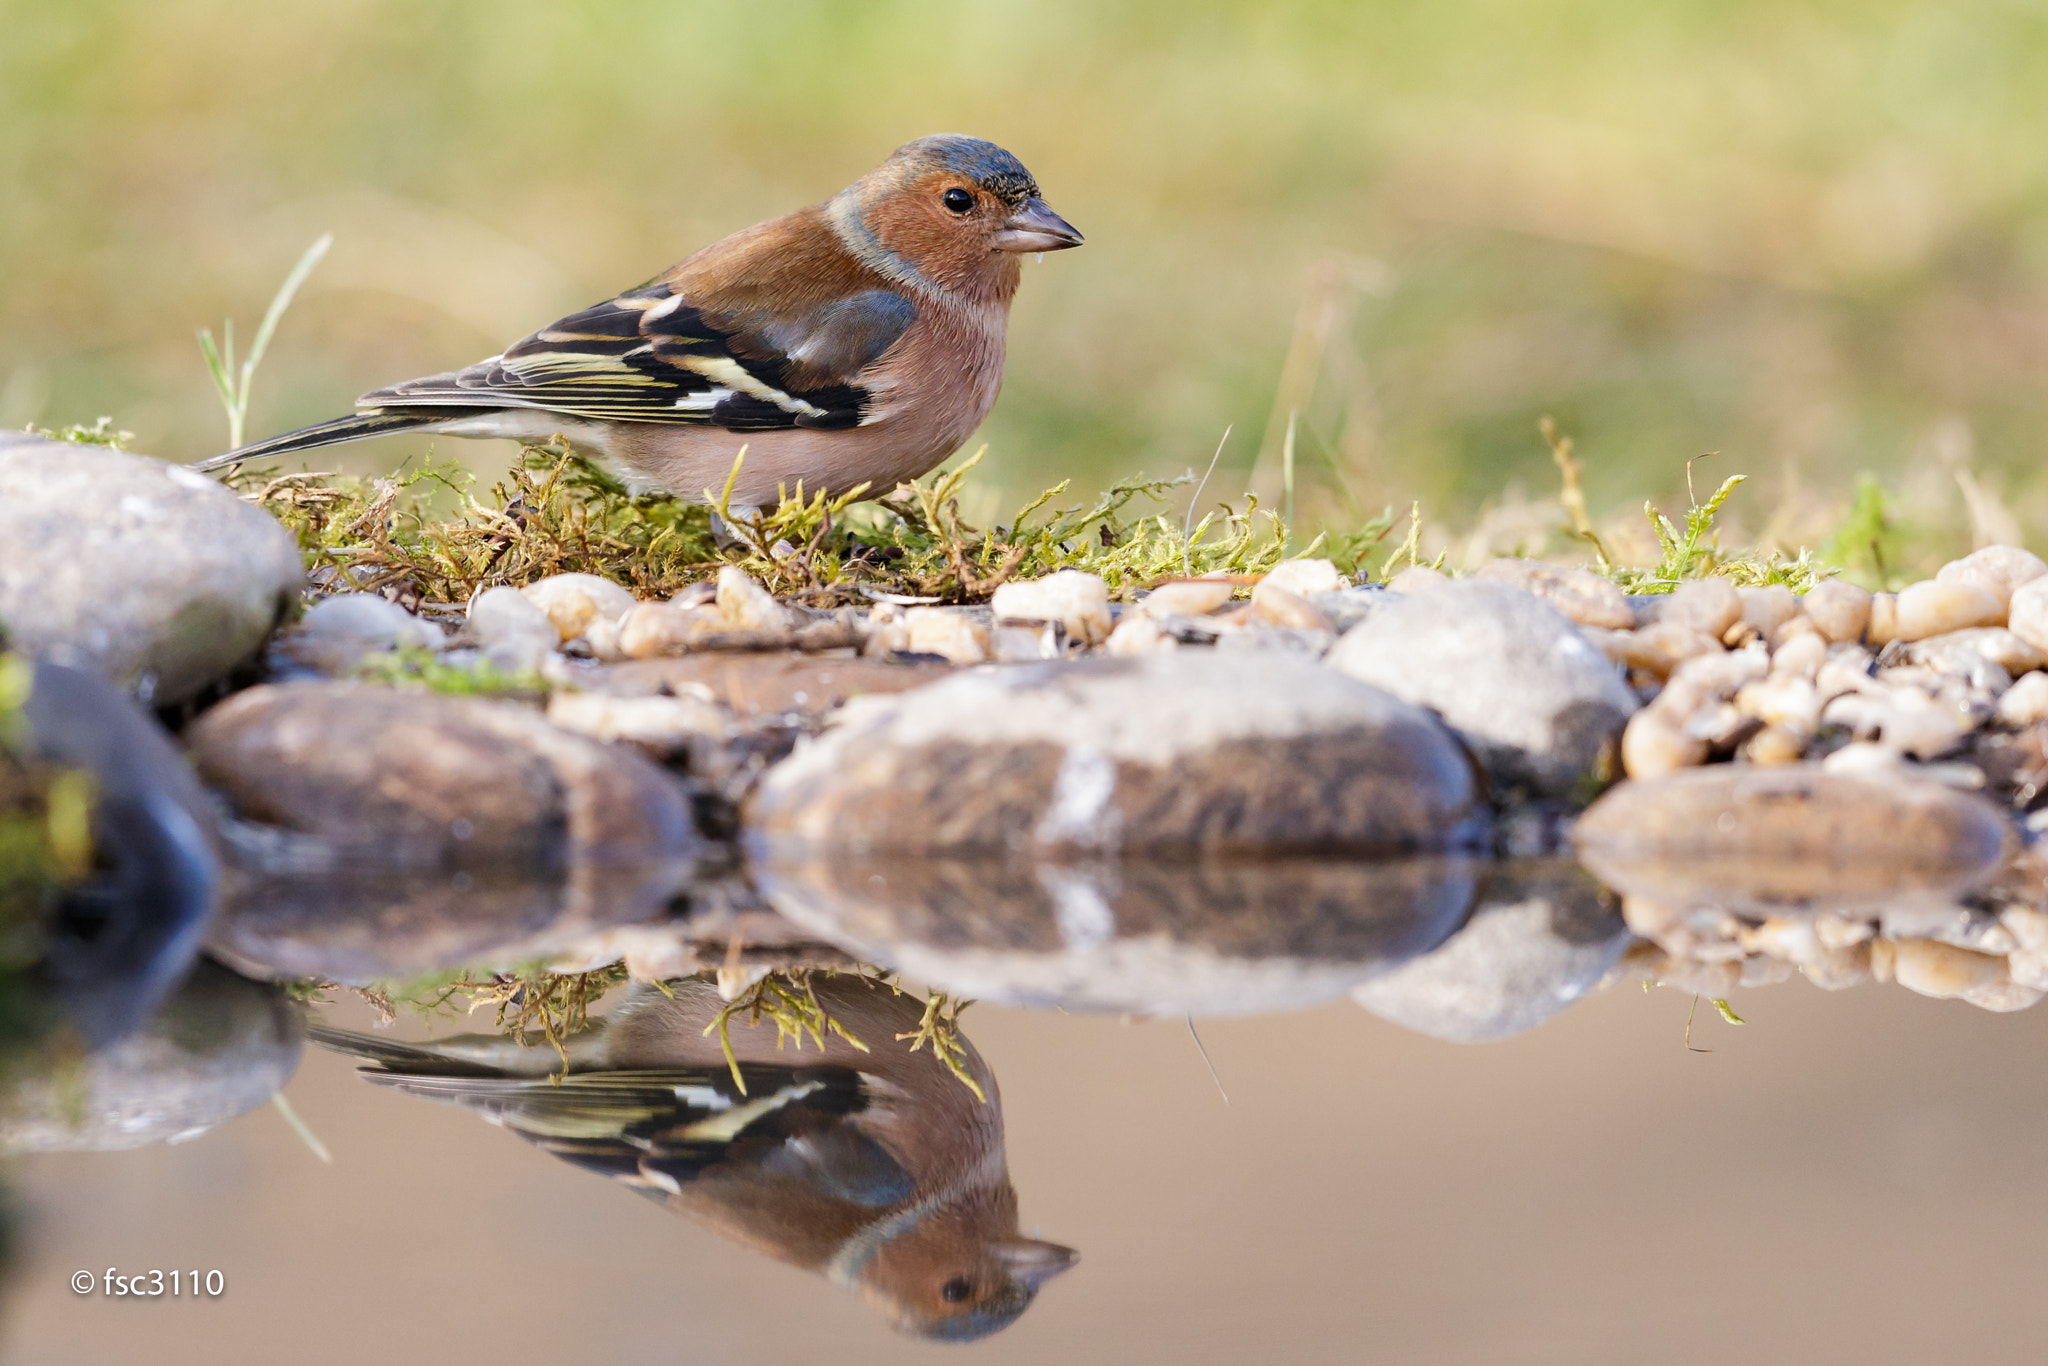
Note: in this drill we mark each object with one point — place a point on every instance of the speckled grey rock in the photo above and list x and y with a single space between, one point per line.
217 1047
1540 938
1250 754
1532 697
159 578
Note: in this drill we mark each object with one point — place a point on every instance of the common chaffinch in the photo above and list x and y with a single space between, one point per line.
879 1169
857 340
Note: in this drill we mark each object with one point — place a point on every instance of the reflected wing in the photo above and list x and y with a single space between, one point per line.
653 356
656 1130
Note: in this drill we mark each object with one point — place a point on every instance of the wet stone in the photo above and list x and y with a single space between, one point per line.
1793 834
215 1048
1533 698
403 778
1195 750
1542 935
159 578
1139 935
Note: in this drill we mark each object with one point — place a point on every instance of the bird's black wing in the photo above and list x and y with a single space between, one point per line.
650 355
656 1130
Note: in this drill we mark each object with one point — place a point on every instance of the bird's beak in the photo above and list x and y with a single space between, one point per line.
1035 227
1032 1261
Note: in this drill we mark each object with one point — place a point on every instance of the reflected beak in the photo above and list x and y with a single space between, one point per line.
1035 227
1031 1260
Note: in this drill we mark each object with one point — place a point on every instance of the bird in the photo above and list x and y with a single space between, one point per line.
879 1170
856 341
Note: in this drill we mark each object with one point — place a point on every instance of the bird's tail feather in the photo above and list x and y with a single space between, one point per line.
354 427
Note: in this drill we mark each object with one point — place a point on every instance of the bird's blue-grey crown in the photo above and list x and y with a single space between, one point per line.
974 159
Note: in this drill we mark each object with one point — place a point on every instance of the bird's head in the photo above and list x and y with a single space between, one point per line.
951 211
955 1272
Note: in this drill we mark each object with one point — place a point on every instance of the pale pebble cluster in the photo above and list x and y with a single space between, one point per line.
1760 674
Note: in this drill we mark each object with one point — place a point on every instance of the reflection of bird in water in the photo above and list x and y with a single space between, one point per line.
879 1169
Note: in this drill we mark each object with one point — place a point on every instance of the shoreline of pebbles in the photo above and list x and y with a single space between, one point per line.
1791 784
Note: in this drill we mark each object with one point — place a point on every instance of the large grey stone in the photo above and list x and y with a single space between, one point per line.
1218 754
1540 938
1537 703
159 578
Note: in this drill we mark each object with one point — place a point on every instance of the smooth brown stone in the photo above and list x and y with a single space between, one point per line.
1790 834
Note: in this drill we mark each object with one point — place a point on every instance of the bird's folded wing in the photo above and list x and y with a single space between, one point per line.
658 1129
652 355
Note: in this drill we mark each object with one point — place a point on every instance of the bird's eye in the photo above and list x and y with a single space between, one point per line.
959 201
957 1289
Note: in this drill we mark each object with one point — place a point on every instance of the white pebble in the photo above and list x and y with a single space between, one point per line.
1840 610
1655 743
504 614
1417 578
1942 970
1801 656
574 601
370 620
744 605
1137 634
1273 605
2027 617
1766 609
1932 608
1579 594
951 635
1186 598
2025 703
1708 605
1996 569
1078 601
1303 577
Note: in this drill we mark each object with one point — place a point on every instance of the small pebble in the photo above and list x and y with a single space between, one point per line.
1784 701
502 614
2027 617
1303 577
1580 594
1707 605
1654 743
1840 610
574 601
1801 656
1942 970
658 628
1137 634
1660 647
1765 609
2025 703
1417 578
1996 570
744 605
1883 626
1078 601
1775 744
1930 608
952 635
1276 606
1186 598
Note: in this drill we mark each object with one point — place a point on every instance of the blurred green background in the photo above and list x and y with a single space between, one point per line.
1812 237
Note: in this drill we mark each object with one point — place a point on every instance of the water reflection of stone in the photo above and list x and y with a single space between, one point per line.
217 1046
1744 877
1543 934
1222 937
877 1169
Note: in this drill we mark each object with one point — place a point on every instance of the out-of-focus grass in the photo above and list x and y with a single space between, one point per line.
1812 236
